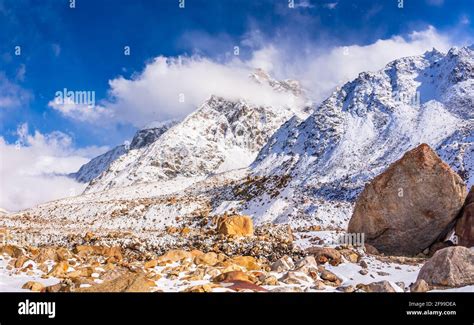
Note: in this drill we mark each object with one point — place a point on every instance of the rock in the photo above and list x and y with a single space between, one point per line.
150 264
234 276
318 285
283 264
235 225
20 261
59 269
419 286
308 266
450 267
246 286
348 288
293 277
114 252
11 250
364 271
46 254
129 282
381 286
465 224
33 286
325 254
403 210
350 255
287 289
89 236
329 276
58 287
248 262
174 255
206 259
369 249
202 288
270 281
363 264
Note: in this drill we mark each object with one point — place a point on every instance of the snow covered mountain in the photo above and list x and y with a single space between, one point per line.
363 127
220 135
307 170
142 139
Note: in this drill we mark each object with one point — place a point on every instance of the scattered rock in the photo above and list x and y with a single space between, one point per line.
404 209
11 250
419 286
174 255
450 267
246 286
325 254
247 262
235 225
465 224
206 259
293 277
129 282
283 264
381 286
33 286
234 276
369 249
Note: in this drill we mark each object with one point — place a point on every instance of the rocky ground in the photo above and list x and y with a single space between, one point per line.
415 217
231 257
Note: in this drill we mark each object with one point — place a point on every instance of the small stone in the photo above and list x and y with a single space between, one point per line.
419 286
283 264
33 286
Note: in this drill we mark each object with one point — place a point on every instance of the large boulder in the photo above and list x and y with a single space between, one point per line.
128 282
235 225
465 224
449 267
404 209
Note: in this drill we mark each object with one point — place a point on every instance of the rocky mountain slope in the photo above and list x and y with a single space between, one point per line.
363 127
220 135
310 170
142 139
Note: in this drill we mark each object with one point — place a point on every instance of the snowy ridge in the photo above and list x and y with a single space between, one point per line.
220 135
142 138
368 124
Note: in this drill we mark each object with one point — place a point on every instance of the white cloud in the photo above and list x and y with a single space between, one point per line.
11 94
171 88
154 94
320 72
32 169
83 112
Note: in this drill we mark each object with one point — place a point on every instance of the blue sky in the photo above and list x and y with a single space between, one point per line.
82 48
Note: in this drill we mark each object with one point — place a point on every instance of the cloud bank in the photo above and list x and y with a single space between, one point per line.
32 169
171 88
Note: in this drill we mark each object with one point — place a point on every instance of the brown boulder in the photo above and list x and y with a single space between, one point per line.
249 262
233 276
129 282
33 286
325 254
403 210
235 225
465 224
449 267
381 286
